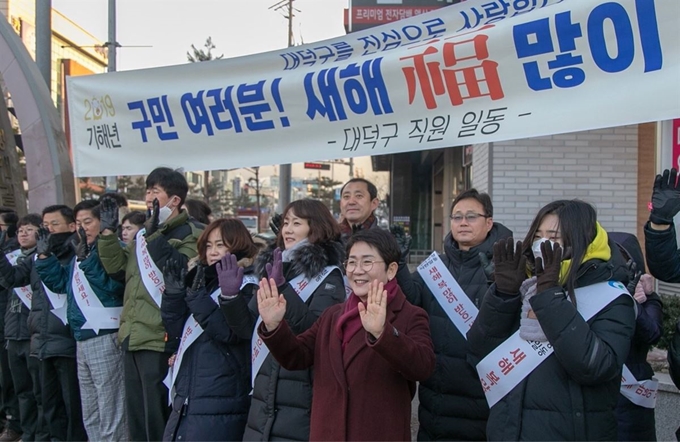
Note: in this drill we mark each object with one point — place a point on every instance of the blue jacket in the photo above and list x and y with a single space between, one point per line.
58 279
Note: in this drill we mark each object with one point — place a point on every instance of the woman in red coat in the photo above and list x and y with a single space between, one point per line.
367 353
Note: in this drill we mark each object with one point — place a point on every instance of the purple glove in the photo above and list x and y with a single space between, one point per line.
230 275
275 269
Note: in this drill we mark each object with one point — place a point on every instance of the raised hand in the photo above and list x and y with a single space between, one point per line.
270 304
665 197
403 240
510 266
275 223
152 222
80 246
548 266
275 268
174 274
43 246
199 279
108 215
229 275
374 312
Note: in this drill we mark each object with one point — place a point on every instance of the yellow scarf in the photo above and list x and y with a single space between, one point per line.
598 249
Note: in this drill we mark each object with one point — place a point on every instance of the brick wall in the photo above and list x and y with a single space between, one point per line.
598 166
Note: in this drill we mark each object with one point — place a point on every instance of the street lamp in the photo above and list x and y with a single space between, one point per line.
256 170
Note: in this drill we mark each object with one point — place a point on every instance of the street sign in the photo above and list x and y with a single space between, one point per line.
317 166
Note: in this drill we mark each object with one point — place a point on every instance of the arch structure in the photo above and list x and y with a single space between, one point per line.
48 167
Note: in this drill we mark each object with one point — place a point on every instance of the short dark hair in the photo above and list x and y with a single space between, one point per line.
32 219
65 211
136 217
482 198
9 218
198 210
372 190
322 226
381 240
235 235
5 209
91 205
171 181
119 198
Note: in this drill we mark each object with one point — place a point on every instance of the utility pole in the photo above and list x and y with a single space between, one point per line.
111 47
43 39
285 169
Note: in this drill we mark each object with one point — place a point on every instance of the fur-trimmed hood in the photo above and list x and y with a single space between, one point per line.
309 259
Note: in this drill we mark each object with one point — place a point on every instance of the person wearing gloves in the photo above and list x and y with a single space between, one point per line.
454 407
168 234
367 353
99 356
308 273
571 394
211 371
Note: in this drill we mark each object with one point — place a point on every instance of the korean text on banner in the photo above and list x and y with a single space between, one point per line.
474 72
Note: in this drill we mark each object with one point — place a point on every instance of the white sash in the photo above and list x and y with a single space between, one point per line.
304 288
97 316
24 293
516 358
191 331
151 276
58 301
640 393
448 293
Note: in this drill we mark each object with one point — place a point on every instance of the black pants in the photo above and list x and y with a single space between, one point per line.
8 399
25 377
61 399
146 396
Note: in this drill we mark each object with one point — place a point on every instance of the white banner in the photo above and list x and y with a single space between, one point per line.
516 358
474 72
640 393
24 293
58 301
97 316
448 293
151 276
304 288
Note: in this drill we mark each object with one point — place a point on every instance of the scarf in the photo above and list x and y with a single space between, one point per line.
349 322
529 328
287 254
347 229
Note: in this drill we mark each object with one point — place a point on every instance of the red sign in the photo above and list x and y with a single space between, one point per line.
375 15
317 166
675 141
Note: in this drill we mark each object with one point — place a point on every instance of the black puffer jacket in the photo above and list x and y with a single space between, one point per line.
10 245
281 401
452 403
19 275
49 336
572 395
663 256
213 384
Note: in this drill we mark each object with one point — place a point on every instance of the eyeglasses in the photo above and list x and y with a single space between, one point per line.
469 217
52 223
365 264
27 231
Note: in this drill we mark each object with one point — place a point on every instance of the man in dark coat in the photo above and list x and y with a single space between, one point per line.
358 201
452 403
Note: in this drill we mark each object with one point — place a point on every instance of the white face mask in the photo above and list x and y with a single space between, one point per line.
536 247
164 213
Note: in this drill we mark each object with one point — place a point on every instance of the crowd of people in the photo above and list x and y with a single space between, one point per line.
173 325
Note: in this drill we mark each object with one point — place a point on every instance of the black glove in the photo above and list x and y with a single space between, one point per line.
275 223
488 266
3 237
403 241
173 276
43 246
152 222
548 266
665 197
633 276
80 246
108 215
199 279
510 266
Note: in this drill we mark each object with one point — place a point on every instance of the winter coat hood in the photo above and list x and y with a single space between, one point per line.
309 259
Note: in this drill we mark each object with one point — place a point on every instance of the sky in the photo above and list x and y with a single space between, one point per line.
237 28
